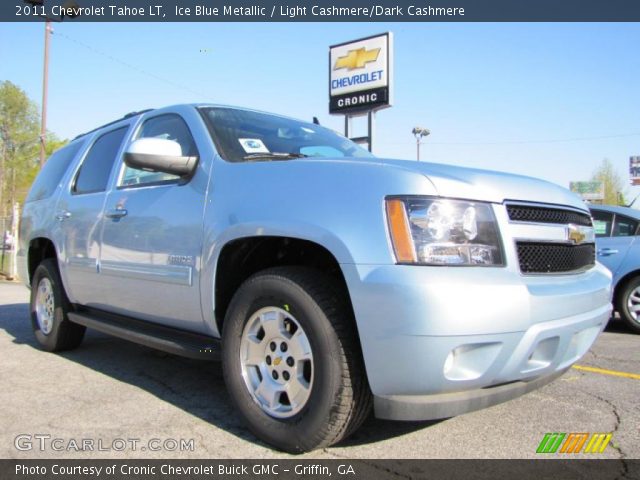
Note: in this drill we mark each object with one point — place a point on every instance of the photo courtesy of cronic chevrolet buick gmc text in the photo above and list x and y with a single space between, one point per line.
329 282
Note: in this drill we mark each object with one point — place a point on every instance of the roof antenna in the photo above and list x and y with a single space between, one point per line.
633 201
316 121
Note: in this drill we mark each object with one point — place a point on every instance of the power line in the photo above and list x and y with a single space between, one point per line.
32 141
493 142
530 142
130 66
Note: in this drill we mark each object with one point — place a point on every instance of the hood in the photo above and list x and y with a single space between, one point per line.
490 186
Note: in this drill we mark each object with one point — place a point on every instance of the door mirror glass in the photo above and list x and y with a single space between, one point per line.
159 155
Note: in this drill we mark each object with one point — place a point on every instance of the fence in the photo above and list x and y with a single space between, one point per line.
9 244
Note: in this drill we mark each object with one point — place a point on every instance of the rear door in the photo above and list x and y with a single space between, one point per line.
78 214
152 234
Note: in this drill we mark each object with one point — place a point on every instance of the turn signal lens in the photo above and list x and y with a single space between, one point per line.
400 232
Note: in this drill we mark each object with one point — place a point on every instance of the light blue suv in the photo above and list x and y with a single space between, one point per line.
328 281
617 230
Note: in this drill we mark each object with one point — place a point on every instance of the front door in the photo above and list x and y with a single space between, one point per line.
152 236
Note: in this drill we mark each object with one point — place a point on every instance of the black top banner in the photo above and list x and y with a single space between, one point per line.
321 11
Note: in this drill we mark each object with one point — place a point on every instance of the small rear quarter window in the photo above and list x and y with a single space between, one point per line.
52 172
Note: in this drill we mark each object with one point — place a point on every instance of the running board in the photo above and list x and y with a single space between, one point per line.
160 337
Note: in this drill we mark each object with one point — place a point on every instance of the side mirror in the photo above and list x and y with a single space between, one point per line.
159 155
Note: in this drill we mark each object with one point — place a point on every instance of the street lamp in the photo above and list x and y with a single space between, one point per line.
48 29
419 132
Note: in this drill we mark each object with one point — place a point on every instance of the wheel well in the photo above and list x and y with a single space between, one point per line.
622 283
242 258
39 250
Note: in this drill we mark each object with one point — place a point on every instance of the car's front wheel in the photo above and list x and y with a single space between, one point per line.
292 361
628 304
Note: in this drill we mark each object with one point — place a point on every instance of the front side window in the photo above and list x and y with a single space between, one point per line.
168 127
624 226
243 135
96 168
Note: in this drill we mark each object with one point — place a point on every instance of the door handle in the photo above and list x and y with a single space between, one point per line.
605 252
63 215
116 213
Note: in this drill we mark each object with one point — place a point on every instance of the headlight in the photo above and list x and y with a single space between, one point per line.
439 231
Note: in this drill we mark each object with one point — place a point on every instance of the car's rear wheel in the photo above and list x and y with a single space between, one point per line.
628 304
292 361
49 307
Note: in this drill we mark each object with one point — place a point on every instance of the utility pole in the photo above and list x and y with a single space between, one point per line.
71 11
45 91
419 132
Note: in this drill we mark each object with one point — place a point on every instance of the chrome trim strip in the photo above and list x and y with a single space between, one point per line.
173 274
85 263
539 233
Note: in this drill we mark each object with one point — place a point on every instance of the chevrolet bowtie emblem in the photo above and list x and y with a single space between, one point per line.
575 234
357 58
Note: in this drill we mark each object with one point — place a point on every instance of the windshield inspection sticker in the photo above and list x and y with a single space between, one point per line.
253 145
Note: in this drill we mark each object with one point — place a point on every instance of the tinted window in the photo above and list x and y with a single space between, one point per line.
321 151
95 170
624 226
243 135
168 127
602 222
52 172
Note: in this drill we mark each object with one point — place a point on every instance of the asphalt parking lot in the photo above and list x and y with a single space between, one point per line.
111 391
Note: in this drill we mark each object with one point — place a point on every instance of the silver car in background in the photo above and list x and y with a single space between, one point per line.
617 230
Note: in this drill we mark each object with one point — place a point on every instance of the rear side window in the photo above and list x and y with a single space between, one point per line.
95 170
49 177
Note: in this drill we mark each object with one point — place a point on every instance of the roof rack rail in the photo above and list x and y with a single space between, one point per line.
128 115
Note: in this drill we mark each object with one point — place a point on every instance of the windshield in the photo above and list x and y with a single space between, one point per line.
242 136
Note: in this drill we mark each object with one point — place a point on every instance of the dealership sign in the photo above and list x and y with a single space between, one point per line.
361 74
588 190
634 170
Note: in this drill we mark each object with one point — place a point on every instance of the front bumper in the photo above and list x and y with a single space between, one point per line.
440 341
445 405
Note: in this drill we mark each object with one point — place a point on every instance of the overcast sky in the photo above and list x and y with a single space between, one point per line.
548 100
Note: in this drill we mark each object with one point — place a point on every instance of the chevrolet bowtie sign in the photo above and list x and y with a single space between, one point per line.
360 74
357 59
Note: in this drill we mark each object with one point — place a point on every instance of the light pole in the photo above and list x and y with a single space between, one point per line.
419 132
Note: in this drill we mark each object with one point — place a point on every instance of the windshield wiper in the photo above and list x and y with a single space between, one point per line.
274 156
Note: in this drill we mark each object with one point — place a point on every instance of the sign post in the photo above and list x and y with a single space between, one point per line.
361 81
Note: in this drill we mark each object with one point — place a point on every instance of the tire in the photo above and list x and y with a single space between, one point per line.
49 307
629 296
326 395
